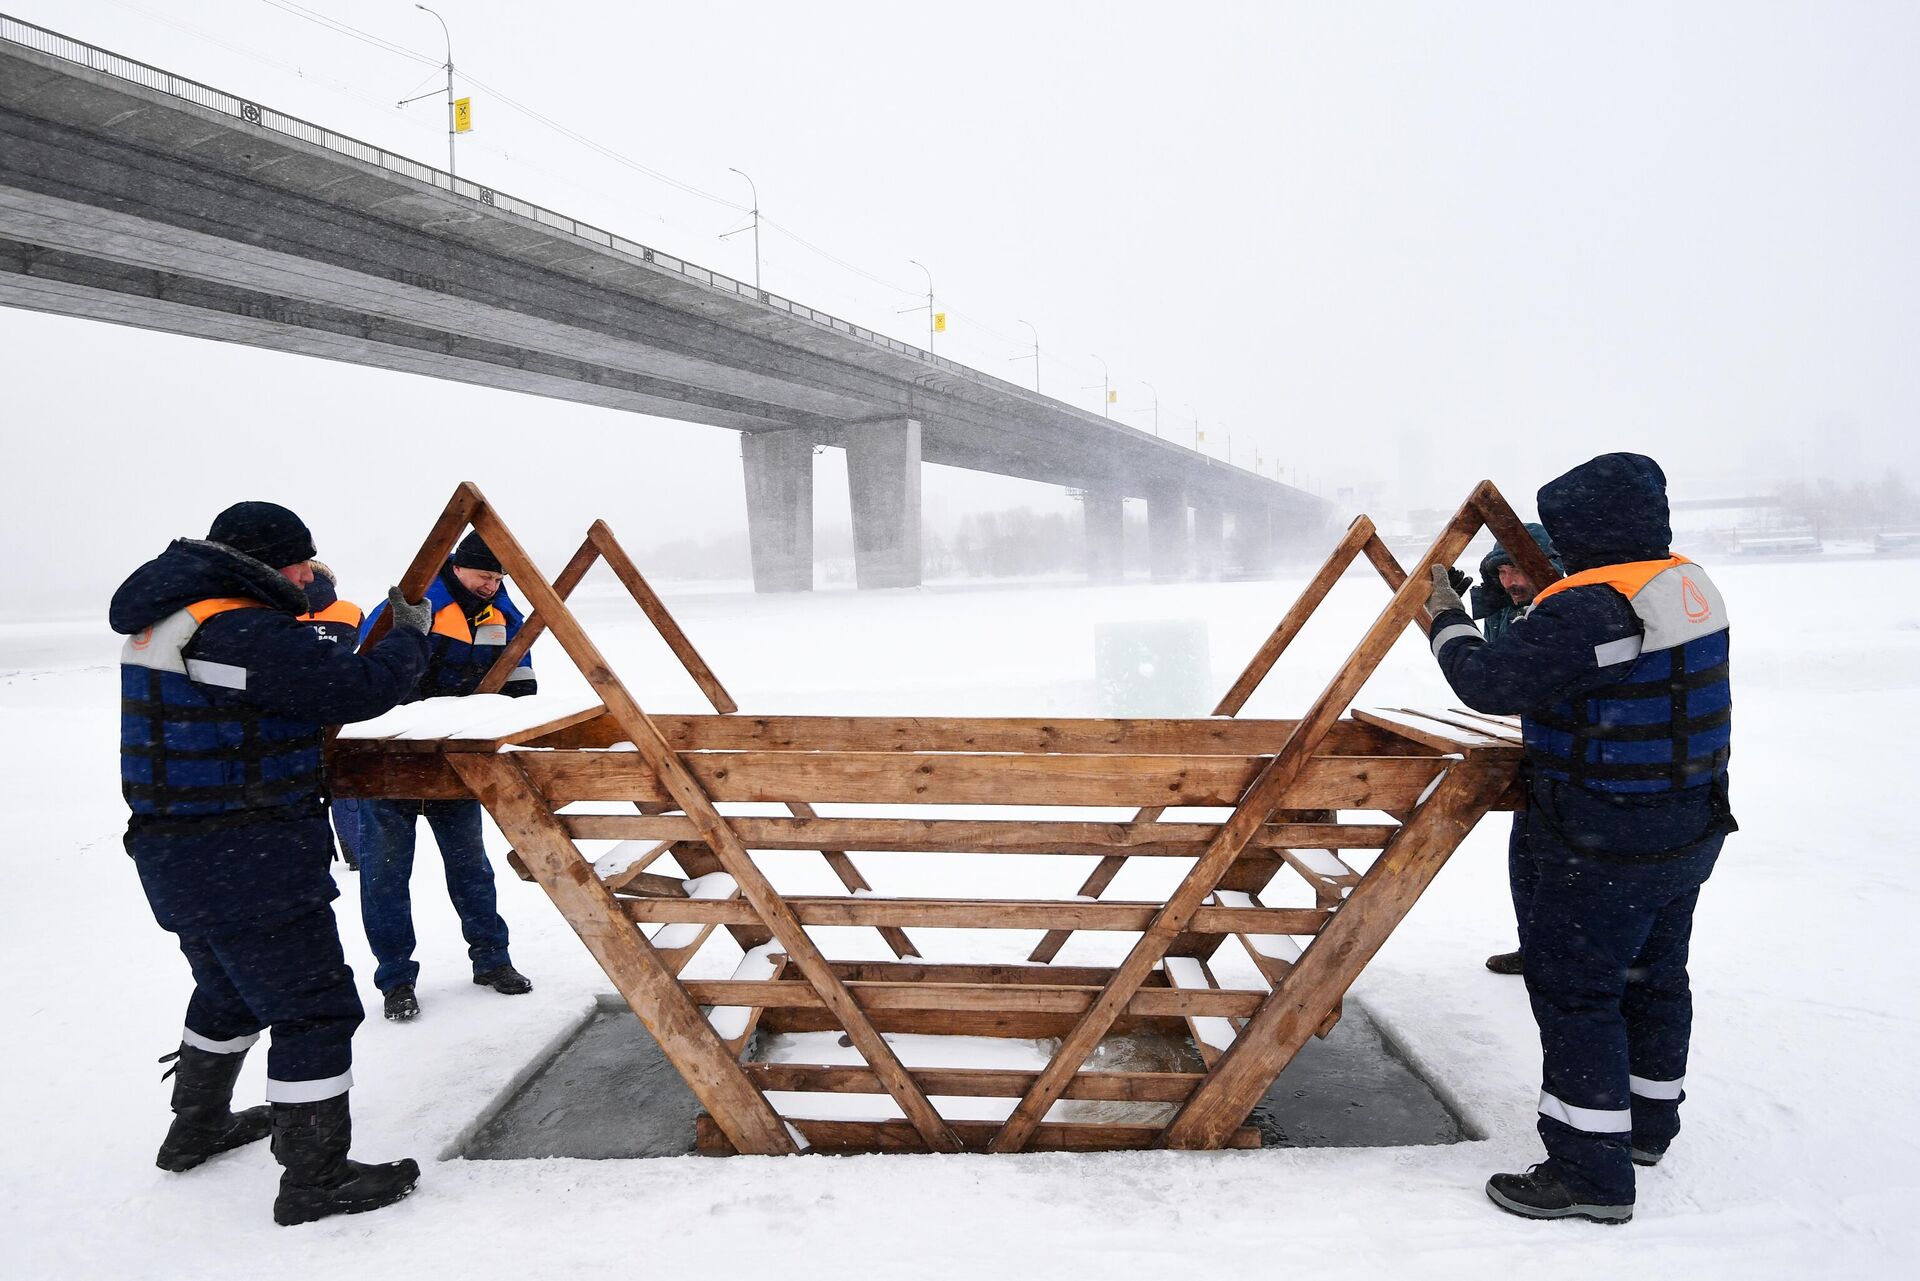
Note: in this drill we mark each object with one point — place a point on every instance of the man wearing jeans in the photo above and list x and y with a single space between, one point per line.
473 619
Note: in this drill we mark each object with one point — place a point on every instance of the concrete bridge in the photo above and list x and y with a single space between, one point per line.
131 195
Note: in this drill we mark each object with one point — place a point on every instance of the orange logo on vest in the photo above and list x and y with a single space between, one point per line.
1695 600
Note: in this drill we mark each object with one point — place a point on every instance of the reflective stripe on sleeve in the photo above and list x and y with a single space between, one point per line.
1657 1089
1453 633
520 674
234 1045
308 1091
1616 651
225 675
1592 1120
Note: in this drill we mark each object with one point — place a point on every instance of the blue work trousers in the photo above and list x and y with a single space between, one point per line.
386 835
287 973
1605 950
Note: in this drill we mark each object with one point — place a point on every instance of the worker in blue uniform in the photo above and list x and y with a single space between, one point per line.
224 698
1619 673
473 619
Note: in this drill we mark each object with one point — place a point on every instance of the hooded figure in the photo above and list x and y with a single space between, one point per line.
225 695
1493 606
1619 673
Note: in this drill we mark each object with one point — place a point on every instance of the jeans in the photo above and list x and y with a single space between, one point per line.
387 830
1521 877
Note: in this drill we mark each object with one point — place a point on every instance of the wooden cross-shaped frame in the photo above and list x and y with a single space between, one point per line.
1286 780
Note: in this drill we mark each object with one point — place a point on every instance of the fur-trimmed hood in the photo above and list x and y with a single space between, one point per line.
193 569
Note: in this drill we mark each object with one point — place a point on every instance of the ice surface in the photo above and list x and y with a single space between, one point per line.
1795 1161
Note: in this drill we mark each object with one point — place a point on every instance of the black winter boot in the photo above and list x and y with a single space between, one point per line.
310 1141
1539 1194
203 1123
505 980
1506 963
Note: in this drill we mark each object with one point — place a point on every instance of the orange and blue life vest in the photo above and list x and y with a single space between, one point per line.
339 621
191 744
1667 724
464 640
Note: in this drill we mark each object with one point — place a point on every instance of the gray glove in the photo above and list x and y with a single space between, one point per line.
1443 597
414 617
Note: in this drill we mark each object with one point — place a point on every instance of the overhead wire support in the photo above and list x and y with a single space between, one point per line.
1033 355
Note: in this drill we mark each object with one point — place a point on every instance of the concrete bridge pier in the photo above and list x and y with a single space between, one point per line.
1209 541
1253 540
883 479
779 468
1106 515
1168 549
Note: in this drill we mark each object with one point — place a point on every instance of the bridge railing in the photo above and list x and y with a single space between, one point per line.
262 116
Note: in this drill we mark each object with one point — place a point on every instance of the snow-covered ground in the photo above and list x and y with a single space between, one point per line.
1799 1158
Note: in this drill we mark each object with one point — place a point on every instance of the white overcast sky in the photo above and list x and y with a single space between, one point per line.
1393 247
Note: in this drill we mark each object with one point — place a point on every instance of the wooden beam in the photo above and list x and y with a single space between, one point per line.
440 540
898 1136
695 803
977 914
1276 783
1191 736
1296 617
671 1018
1507 530
1009 998
1118 1087
979 836
1302 999
660 616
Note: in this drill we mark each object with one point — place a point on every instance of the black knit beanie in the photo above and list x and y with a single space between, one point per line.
473 553
267 532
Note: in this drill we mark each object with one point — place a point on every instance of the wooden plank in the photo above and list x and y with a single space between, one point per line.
1326 782
971 972
447 528
980 836
1117 1087
1302 1000
533 625
845 1137
1030 1025
694 801
1192 736
618 881
671 1018
1382 559
1511 534
650 884
1438 736
1011 998
660 616
1275 784
978 914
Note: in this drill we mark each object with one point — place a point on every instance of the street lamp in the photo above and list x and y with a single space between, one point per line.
1156 405
1106 389
756 226
904 310
451 131
1034 356
1198 435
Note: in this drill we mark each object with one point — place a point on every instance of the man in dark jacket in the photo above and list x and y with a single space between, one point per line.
1502 595
224 698
1619 673
473 619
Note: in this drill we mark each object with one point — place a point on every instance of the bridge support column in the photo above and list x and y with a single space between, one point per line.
779 467
1106 513
883 478
1209 541
1167 545
1253 540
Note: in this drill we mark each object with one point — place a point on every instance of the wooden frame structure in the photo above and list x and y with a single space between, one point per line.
1286 782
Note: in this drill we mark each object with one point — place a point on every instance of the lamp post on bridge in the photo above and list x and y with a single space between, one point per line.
1106 389
452 130
932 317
1034 356
1156 405
756 227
